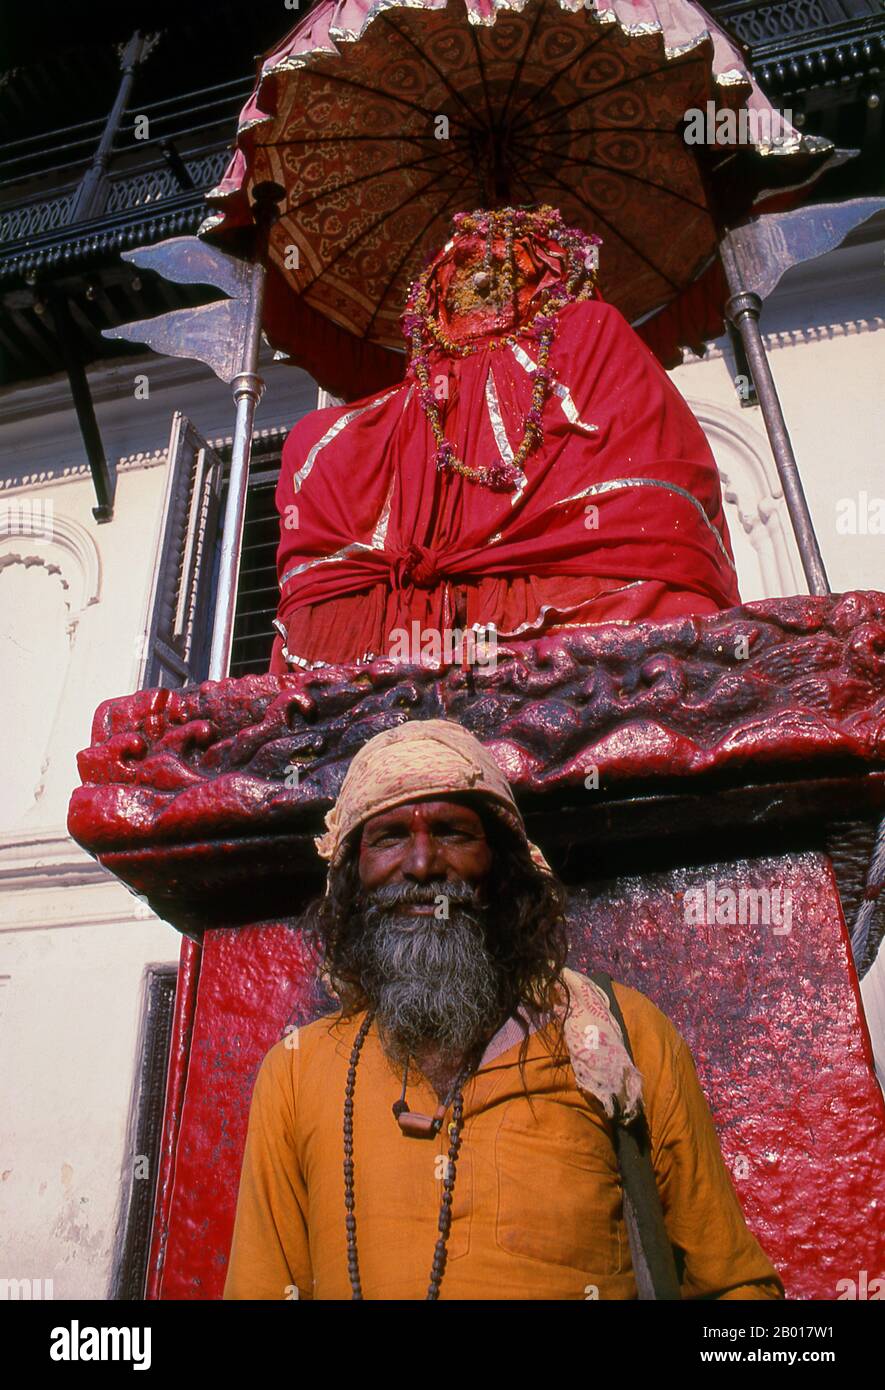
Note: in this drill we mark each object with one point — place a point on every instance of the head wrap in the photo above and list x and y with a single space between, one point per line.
422 758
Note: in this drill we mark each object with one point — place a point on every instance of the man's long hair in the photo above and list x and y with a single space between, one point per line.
526 928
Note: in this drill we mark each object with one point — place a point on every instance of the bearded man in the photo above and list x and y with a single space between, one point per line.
450 1131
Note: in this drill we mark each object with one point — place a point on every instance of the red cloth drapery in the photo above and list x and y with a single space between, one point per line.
373 537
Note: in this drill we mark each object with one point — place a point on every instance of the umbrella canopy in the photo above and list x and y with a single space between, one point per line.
382 120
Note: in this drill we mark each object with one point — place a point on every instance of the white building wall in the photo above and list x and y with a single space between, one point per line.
74 944
823 330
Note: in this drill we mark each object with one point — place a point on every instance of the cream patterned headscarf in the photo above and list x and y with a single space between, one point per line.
424 757
435 757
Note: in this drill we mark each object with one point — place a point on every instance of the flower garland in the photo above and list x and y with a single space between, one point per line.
421 330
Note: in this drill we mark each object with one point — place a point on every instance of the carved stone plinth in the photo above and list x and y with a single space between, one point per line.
670 772
207 799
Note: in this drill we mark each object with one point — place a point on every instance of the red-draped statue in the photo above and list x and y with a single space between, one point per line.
536 469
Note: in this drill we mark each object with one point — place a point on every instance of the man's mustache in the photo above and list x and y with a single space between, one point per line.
458 893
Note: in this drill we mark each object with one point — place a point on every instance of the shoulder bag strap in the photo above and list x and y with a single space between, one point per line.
653 1263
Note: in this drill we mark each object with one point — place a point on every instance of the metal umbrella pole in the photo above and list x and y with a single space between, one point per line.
754 258
248 388
743 308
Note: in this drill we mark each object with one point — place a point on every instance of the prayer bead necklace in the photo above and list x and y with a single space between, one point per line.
418 1128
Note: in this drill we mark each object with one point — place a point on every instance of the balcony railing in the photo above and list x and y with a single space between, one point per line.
759 24
800 44
124 191
187 148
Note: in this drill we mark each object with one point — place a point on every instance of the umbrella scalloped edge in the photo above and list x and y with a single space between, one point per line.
684 27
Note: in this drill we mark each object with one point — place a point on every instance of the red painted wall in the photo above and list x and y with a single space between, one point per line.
772 1017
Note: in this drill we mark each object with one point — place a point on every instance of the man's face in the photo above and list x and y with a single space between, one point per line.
421 947
423 842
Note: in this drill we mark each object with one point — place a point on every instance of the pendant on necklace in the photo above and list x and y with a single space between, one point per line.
417 1126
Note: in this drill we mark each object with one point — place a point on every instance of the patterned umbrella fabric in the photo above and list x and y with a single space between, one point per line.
382 120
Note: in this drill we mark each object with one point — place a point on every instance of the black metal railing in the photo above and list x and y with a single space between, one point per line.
160 149
809 42
145 187
759 24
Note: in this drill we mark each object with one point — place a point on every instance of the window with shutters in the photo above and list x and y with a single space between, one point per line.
258 590
179 636
179 627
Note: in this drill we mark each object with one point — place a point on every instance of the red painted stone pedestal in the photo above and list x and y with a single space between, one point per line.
690 797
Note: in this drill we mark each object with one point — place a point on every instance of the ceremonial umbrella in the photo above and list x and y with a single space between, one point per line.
381 120
372 124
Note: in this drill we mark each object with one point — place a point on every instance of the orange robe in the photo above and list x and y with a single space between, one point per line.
537 1210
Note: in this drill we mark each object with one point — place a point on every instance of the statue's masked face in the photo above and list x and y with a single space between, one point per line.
474 289
479 294
486 290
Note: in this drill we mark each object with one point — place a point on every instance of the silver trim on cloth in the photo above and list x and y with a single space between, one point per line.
496 420
577 608
293 660
379 537
566 400
338 34
325 560
569 409
564 612
341 423
613 484
289 657
308 665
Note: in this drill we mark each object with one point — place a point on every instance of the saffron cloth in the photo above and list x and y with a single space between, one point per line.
537 1210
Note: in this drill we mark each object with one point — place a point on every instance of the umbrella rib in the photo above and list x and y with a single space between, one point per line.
362 178
381 298
384 15
668 67
626 174
482 75
530 37
594 211
364 233
371 91
555 76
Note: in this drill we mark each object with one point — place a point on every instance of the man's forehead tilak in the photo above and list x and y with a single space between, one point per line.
433 808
